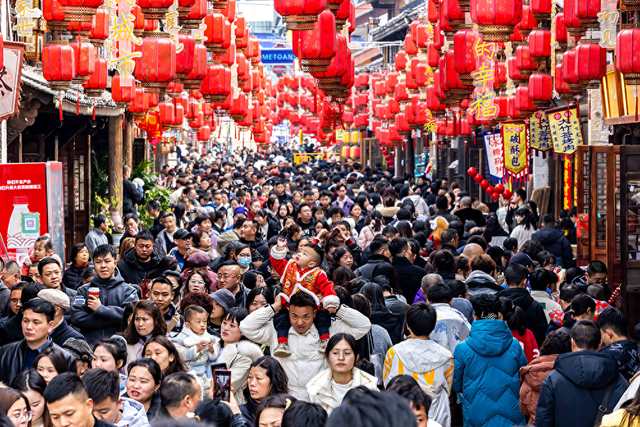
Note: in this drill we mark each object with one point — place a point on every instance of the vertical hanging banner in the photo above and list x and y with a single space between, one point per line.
482 106
495 154
565 131
516 153
566 185
121 37
26 17
540 132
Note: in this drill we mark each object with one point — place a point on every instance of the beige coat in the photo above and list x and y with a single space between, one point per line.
321 392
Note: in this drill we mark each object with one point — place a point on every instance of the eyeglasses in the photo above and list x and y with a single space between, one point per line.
25 416
224 277
196 282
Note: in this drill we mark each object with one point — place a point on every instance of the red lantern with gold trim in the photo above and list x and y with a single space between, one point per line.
591 64
185 58
97 82
540 89
123 90
316 47
199 70
300 14
140 103
464 42
627 61
496 18
216 85
155 9
84 54
58 64
157 67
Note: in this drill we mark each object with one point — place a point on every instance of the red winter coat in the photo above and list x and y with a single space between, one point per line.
531 378
528 343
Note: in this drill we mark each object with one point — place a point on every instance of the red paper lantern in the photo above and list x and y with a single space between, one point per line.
571 20
540 89
540 43
216 85
587 12
155 9
123 89
541 9
496 18
524 63
523 102
528 22
591 64
464 42
140 103
185 58
157 66
569 71
316 47
84 54
97 82
191 18
54 15
99 28
627 60
199 70
217 32
300 14
58 64
401 60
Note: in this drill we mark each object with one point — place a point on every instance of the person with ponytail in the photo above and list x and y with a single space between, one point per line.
372 228
583 307
517 322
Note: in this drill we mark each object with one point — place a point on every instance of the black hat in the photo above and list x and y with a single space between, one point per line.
182 234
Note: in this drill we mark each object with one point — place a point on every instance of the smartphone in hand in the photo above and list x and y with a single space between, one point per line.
222 384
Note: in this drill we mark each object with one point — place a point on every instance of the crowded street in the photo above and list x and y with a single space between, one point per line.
319 213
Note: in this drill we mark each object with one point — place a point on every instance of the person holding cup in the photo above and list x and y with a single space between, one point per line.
97 309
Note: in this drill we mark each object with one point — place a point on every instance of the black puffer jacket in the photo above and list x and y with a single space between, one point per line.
579 378
258 245
554 242
72 277
132 270
131 197
12 359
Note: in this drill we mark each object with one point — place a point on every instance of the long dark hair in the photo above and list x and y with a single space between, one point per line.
386 269
514 316
57 359
32 380
275 372
177 365
374 294
160 325
8 397
528 221
580 304
374 221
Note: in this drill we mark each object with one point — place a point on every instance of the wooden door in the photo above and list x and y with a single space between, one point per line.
75 156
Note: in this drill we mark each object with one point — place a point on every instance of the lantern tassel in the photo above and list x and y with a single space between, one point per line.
636 105
123 121
94 113
60 107
154 150
78 105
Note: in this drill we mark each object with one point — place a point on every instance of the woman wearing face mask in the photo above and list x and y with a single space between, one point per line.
243 256
329 386
16 406
266 378
147 322
236 351
32 385
143 383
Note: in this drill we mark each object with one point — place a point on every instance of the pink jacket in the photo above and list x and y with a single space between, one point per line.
366 236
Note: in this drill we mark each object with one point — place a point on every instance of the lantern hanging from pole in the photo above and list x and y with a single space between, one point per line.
627 60
185 58
97 83
591 64
157 66
300 14
496 18
84 54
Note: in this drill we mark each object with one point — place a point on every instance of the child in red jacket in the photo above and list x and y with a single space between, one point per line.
303 274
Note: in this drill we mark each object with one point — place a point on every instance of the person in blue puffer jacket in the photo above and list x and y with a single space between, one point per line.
486 367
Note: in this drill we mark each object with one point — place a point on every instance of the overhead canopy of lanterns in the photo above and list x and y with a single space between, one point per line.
203 65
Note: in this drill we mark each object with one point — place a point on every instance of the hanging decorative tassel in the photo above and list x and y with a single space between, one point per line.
78 105
94 114
589 107
123 116
60 106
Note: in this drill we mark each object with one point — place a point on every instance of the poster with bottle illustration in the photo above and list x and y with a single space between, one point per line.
23 207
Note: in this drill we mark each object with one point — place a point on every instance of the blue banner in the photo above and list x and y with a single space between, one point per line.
277 56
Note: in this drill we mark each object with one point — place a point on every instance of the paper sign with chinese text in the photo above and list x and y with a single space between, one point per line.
565 131
482 105
10 76
540 131
516 155
495 157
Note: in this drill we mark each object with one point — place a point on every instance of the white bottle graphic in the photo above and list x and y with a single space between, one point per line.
16 239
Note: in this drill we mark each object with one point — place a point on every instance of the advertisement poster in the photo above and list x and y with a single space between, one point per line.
23 196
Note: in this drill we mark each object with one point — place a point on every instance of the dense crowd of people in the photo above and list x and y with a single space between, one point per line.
335 295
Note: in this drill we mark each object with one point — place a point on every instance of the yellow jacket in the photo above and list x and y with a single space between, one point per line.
615 419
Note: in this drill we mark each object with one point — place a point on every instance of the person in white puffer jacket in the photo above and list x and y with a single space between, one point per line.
305 361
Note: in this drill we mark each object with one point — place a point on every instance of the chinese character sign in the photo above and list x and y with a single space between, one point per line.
26 17
482 106
608 19
495 157
516 153
10 75
540 131
122 38
565 131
